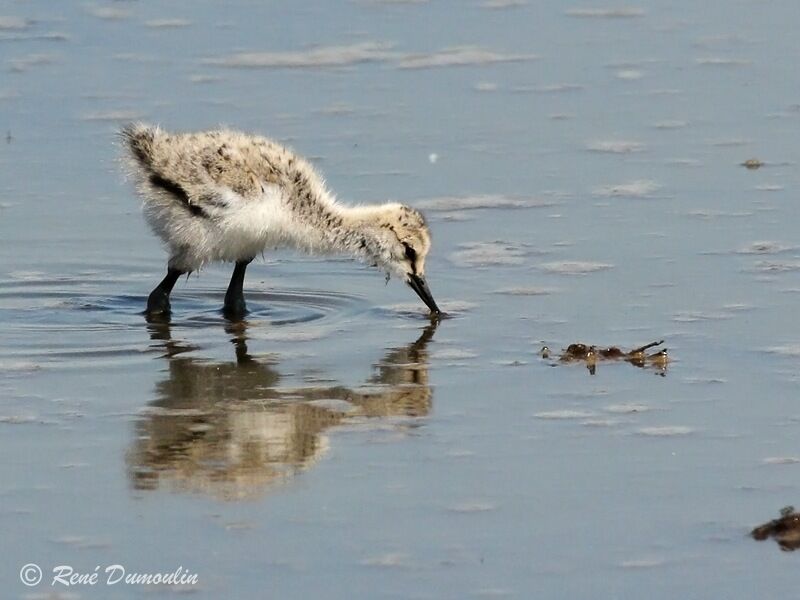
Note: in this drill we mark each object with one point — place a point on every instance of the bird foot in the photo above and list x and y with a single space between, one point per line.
235 310
158 304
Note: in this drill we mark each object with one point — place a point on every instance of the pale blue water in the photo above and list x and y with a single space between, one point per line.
351 452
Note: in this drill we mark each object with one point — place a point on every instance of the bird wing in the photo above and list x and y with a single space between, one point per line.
205 171
229 168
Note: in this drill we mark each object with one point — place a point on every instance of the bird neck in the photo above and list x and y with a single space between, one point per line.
329 227
357 232
334 228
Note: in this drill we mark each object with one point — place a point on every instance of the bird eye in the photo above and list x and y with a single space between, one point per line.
411 254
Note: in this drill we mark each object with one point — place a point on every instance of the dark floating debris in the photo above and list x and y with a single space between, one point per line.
591 355
752 163
785 530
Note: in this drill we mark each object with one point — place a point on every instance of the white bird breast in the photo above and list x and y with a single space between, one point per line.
236 228
245 227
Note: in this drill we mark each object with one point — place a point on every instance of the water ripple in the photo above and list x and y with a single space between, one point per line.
105 328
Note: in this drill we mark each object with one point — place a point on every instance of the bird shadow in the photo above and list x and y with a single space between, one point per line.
231 430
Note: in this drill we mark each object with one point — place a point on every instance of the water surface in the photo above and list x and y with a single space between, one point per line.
581 169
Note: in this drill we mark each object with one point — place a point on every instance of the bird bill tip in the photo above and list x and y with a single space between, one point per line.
420 286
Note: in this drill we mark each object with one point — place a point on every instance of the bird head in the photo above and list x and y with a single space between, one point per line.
403 243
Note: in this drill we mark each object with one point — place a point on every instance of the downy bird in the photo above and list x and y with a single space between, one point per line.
224 195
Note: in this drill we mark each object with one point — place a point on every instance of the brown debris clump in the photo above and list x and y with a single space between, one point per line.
752 164
784 530
638 357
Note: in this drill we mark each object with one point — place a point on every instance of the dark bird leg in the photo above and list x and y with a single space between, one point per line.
158 301
235 308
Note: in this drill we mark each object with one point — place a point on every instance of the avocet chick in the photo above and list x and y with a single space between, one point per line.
227 196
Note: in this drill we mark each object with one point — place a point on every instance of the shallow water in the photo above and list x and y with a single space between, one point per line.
581 167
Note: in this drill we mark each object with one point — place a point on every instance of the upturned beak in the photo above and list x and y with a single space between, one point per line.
418 284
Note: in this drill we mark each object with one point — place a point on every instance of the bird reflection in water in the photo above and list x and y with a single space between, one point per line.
228 429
